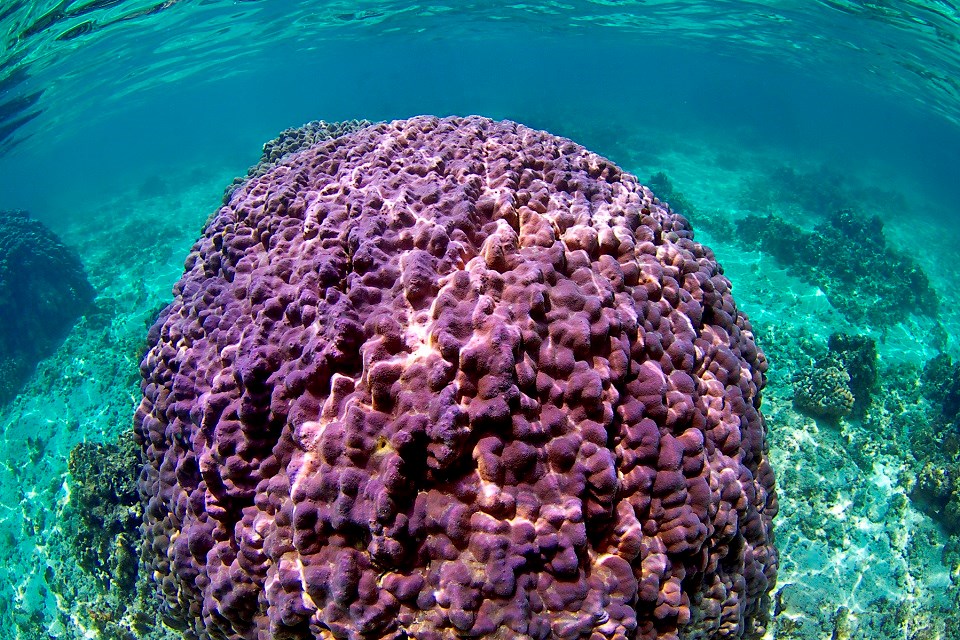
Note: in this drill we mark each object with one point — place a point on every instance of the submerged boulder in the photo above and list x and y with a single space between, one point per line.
840 383
43 291
823 390
103 499
445 377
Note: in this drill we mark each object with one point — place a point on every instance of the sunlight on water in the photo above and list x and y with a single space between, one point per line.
82 52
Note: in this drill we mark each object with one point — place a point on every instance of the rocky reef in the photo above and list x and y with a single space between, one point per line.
454 376
105 501
840 382
849 259
43 291
102 522
937 487
823 391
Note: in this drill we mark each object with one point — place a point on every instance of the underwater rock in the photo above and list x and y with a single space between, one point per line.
103 496
937 487
823 391
840 383
43 291
941 385
848 258
858 356
448 377
293 140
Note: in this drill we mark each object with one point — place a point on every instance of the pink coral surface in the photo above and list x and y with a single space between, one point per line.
455 378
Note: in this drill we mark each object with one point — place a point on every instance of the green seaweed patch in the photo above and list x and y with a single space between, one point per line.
848 258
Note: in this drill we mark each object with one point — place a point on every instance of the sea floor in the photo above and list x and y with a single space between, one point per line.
859 559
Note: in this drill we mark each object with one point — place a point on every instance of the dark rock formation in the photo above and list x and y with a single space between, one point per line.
43 291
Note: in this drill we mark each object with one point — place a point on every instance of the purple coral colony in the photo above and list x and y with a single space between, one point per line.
453 377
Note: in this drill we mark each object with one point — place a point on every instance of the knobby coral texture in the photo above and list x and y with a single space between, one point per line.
448 377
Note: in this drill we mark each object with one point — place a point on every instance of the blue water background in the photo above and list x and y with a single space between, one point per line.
209 82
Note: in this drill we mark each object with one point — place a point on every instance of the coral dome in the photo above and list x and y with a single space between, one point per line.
455 377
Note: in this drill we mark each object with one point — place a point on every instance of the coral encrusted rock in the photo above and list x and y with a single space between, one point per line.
455 377
43 291
858 356
292 140
104 501
841 382
823 391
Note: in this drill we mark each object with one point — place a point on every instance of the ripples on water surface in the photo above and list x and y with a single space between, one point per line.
77 53
908 47
122 121
200 69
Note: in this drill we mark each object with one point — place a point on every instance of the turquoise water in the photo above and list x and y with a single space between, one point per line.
121 123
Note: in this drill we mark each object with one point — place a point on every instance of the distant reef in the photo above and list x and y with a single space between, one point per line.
43 291
291 141
849 259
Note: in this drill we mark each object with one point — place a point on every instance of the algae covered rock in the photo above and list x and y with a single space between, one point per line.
101 529
43 291
455 377
941 385
858 357
841 382
937 486
103 495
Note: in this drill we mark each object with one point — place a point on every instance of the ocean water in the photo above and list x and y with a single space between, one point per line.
123 121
